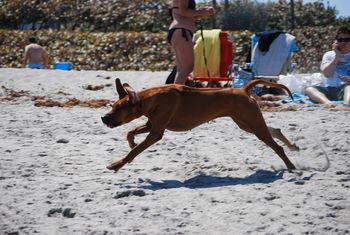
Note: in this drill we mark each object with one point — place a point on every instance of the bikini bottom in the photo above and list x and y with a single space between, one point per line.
183 30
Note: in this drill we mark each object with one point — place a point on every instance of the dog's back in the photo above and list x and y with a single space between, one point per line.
191 107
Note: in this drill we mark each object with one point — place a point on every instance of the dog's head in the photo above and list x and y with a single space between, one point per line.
124 110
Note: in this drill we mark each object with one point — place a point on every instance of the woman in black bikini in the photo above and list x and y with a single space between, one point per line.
180 35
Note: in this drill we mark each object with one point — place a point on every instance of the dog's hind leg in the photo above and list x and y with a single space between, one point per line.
276 133
260 130
267 139
138 130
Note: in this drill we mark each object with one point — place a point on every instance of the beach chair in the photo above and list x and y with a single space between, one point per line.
213 57
271 54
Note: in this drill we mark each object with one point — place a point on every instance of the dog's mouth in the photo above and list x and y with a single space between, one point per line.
110 122
112 125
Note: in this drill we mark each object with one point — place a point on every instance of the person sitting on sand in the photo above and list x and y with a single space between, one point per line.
335 66
35 56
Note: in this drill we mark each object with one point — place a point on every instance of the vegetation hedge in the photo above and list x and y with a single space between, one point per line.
143 50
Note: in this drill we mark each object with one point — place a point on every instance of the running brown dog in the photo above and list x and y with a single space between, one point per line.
182 108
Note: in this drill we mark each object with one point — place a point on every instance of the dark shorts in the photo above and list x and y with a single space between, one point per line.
332 93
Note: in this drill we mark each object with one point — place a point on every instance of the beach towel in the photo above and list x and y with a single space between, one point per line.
212 53
267 38
300 98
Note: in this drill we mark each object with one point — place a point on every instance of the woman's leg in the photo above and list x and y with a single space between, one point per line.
184 55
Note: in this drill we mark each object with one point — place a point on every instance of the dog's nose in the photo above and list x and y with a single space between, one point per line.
103 119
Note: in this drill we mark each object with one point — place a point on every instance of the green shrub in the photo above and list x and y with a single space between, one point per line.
143 50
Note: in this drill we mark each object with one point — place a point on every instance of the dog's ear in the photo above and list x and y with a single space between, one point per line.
120 89
133 96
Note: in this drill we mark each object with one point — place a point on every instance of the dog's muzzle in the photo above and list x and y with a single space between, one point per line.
108 122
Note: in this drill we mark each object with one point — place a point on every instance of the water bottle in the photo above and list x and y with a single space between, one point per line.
238 82
293 68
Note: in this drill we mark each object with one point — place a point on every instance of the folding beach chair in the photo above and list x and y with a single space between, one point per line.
213 57
271 54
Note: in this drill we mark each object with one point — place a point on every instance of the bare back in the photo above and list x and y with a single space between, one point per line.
179 20
35 54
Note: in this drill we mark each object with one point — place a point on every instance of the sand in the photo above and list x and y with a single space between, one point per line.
214 179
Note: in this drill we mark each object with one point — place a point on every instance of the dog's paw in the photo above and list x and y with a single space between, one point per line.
110 167
294 148
115 165
291 168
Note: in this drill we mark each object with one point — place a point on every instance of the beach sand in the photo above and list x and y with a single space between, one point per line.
214 179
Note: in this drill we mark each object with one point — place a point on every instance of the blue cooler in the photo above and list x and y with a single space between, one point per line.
63 66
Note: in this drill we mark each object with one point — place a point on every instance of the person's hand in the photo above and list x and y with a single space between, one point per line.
345 79
209 11
335 48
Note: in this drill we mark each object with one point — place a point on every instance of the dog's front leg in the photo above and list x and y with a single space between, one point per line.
152 138
138 130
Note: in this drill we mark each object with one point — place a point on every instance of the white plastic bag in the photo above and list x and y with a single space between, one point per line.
291 82
299 82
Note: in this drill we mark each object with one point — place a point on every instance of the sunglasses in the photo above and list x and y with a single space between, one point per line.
343 39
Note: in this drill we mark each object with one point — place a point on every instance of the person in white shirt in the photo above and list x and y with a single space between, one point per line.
335 66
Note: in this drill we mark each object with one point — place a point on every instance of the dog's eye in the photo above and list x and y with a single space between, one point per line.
121 106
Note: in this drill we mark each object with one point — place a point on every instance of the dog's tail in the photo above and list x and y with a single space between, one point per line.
255 82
